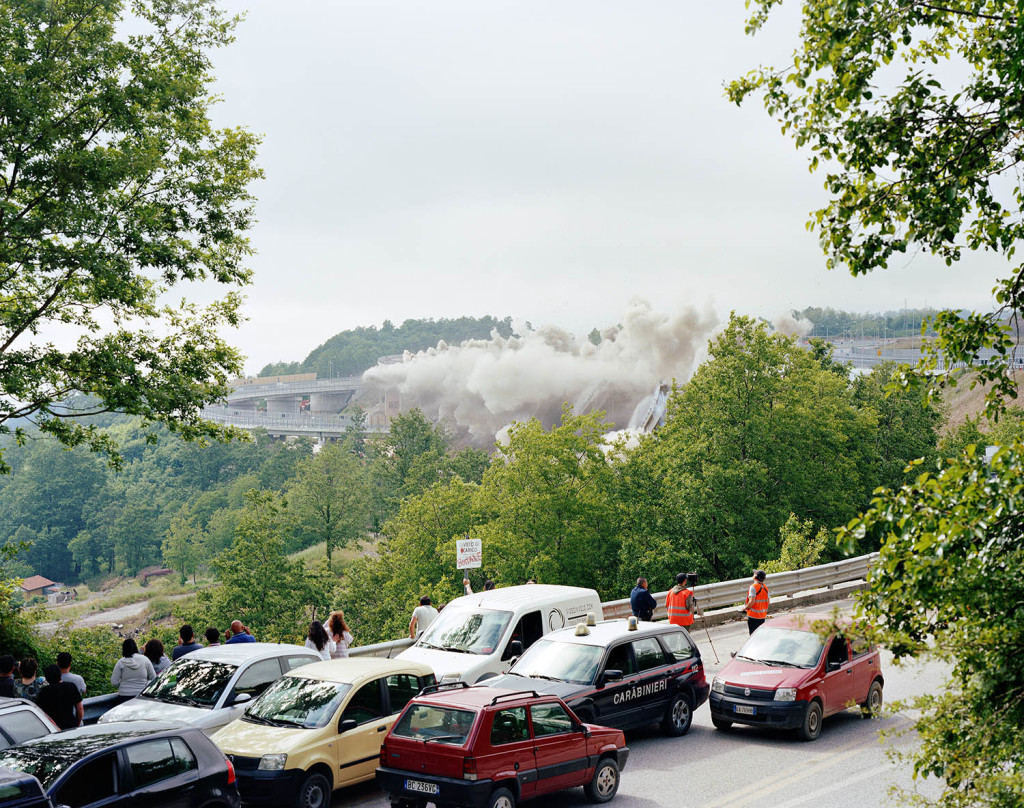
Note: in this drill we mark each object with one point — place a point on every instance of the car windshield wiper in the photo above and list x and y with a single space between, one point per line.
549 678
270 722
176 698
445 738
784 663
430 645
456 650
749 659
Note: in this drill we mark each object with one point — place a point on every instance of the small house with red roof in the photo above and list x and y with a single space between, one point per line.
37 586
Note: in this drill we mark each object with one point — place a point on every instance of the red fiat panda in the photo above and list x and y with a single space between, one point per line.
488 747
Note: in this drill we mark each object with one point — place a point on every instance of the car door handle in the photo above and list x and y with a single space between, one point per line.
382 729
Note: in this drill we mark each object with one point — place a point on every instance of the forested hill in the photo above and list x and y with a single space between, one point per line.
351 352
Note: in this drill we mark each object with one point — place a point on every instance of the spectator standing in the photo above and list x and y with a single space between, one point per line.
186 642
240 633
60 700
756 605
641 601
64 661
467 587
28 685
317 640
680 603
212 637
339 631
7 675
132 672
154 652
422 616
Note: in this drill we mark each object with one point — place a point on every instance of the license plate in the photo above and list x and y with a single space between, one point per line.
420 786
744 710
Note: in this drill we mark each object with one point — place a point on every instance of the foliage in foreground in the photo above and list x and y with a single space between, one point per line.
949 583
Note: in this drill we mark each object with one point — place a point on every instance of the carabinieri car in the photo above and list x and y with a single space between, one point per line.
617 673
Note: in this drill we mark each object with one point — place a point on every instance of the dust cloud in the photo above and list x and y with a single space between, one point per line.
790 326
480 386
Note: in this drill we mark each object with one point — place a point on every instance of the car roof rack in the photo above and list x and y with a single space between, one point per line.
441 686
516 695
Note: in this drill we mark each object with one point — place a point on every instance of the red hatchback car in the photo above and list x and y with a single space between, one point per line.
487 747
786 677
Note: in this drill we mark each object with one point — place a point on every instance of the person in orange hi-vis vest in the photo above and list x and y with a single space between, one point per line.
756 606
679 601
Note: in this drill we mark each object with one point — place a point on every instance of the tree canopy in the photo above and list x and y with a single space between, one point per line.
116 190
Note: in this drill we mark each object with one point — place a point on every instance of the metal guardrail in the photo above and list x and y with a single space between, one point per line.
733 593
711 596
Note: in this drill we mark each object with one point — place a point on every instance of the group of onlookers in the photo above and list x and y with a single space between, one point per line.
58 692
331 641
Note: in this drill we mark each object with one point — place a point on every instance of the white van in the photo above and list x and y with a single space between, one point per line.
476 636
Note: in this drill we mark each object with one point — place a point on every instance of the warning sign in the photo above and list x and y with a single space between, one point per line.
469 553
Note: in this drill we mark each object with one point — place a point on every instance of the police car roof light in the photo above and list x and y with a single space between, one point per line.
591 619
632 622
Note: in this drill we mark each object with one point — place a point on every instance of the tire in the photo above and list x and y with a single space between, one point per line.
315 792
678 716
872 705
605 782
721 723
810 729
502 798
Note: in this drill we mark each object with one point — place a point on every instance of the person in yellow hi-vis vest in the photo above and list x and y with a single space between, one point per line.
756 606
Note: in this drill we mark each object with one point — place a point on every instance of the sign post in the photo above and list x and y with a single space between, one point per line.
469 554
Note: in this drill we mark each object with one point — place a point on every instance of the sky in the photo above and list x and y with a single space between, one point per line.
549 161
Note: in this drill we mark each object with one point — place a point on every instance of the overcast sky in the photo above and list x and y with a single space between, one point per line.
545 160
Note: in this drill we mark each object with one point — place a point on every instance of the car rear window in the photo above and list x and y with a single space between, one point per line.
195 682
22 725
430 723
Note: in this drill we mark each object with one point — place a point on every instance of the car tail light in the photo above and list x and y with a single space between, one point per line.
383 755
231 771
469 768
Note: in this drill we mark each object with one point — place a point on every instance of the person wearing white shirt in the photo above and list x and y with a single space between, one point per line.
422 616
317 640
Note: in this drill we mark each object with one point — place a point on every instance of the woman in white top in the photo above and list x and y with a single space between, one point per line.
317 640
340 634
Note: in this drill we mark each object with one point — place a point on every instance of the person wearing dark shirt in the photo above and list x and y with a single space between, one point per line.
7 675
641 601
239 633
60 700
187 642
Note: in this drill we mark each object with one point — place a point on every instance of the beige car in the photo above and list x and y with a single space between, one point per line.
318 728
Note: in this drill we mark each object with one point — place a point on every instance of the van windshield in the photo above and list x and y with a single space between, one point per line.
469 631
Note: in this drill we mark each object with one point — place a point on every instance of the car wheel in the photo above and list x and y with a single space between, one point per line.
810 729
502 798
721 723
604 783
873 703
678 717
315 792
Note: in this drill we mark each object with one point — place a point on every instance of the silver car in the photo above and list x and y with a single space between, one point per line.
21 720
210 687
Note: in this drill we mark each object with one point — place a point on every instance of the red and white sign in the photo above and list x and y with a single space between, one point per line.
469 553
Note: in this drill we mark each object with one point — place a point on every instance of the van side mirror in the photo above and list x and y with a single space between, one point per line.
345 724
610 675
514 649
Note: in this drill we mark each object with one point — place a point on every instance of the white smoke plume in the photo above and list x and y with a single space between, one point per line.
481 386
790 326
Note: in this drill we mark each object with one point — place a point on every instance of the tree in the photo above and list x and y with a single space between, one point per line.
330 497
184 544
915 162
801 546
115 190
948 583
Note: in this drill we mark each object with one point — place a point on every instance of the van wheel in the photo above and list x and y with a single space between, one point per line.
604 783
678 717
721 723
810 729
502 798
872 705
315 792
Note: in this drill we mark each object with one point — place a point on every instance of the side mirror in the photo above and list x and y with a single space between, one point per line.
241 698
610 675
732 654
345 724
582 728
833 666
513 650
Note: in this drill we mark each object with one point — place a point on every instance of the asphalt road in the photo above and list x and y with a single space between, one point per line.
850 762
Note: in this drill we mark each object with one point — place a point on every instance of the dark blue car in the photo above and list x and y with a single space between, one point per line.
145 763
